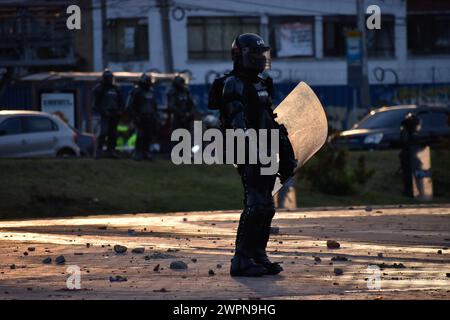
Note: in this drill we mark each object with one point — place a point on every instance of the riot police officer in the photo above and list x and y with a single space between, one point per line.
143 110
108 103
180 104
245 103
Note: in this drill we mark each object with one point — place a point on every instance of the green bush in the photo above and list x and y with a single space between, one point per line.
330 172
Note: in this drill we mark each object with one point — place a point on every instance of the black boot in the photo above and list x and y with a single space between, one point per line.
261 257
242 263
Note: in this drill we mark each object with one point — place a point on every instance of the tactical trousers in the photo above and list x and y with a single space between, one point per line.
254 224
108 133
145 129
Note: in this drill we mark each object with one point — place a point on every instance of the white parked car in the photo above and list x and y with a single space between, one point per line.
35 134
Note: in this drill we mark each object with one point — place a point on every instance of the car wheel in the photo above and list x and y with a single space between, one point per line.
66 153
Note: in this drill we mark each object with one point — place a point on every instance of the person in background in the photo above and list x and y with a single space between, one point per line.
408 134
143 110
108 102
180 104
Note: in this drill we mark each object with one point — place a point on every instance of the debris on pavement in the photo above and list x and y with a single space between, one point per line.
338 271
339 258
120 249
178 265
274 230
332 244
118 279
60 259
138 250
47 260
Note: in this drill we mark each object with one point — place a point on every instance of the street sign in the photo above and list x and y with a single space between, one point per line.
354 58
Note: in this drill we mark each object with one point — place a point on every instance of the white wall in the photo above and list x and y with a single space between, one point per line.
316 70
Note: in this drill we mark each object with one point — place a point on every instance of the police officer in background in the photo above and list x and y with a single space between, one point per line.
409 129
108 102
180 104
143 110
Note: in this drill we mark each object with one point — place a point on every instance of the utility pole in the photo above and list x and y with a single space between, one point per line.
164 9
104 36
364 86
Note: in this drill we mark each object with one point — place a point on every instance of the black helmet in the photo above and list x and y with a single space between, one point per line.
412 122
249 51
107 77
145 80
179 81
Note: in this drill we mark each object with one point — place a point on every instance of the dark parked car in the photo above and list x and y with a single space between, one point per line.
380 129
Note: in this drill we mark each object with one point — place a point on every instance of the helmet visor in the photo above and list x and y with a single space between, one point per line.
257 58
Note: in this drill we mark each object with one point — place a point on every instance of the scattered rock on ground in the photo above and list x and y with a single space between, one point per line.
138 250
211 272
274 230
393 266
12 267
368 209
47 260
60 259
31 249
194 260
317 259
156 268
439 252
118 279
338 271
219 266
178 265
131 232
339 258
332 244
120 249
380 255
159 255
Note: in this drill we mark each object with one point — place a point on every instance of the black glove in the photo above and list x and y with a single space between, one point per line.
288 163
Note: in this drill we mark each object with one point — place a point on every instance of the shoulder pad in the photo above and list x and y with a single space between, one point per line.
97 87
233 89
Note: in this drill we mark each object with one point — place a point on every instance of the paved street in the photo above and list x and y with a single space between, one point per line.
408 244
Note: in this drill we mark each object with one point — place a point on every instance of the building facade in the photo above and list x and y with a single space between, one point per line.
408 58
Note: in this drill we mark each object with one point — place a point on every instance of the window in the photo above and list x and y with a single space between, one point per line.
211 37
433 120
428 34
383 119
292 36
39 124
380 43
11 126
334 34
127 39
